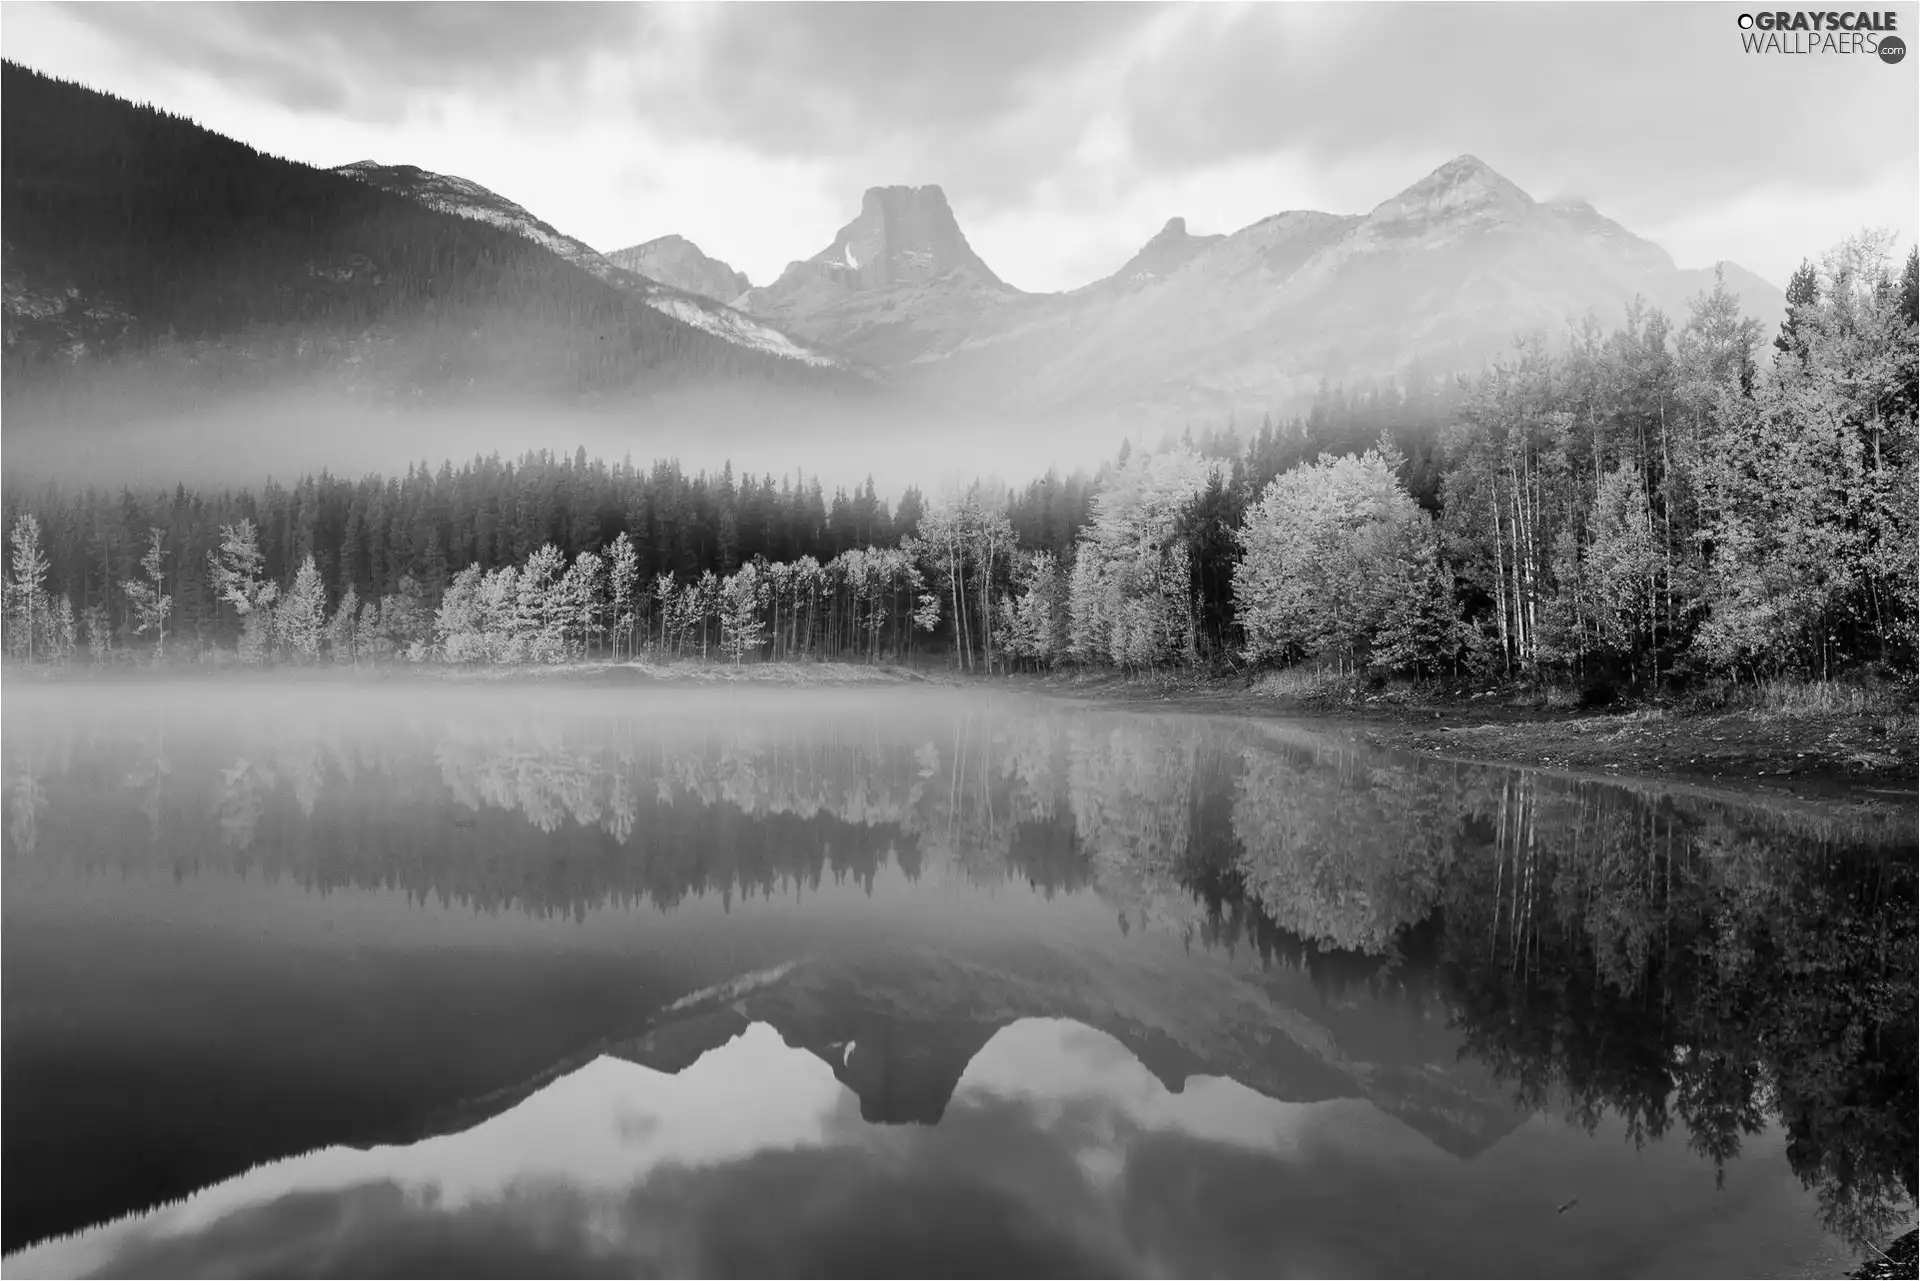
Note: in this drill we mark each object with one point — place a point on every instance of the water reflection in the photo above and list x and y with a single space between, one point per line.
1059 1154
1458 946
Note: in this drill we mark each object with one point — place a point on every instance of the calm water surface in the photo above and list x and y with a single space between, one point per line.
493 981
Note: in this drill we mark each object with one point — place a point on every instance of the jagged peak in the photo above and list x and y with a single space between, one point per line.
902 233
1464 183
1468 170
1466 162
897 191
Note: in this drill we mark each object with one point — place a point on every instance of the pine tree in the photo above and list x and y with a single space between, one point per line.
1803 295
302 613
343 633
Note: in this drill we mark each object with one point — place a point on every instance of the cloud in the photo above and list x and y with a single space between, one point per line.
977 96
1650 103
365 61
1063 134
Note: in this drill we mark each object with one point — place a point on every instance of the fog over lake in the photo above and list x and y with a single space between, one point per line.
315 975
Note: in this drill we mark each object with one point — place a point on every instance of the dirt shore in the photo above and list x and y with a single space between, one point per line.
1814 754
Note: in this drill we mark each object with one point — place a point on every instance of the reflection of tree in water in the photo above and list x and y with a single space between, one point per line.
244 790
26 801
1602 951
1697 968
1335 849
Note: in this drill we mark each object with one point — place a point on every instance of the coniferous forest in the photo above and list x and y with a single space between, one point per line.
1650 506
203 268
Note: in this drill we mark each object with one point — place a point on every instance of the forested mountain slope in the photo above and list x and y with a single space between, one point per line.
696 307
144 252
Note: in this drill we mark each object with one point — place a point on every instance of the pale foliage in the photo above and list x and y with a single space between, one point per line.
1338 563
302 615
1130 595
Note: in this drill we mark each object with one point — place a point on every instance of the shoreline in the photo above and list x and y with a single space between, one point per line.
1823 756
1829 757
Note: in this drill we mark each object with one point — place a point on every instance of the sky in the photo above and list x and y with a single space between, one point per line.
1064 135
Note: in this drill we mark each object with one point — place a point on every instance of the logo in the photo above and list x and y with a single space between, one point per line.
1803 32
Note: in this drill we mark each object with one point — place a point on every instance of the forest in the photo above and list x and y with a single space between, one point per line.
1646 507
202 267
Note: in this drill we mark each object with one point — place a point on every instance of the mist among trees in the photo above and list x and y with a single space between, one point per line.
1645 506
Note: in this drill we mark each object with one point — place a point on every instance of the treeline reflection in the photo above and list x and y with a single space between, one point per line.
1689 965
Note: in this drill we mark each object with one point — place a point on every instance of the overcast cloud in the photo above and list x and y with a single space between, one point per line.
1064 135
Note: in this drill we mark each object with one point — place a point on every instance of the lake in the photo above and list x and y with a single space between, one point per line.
312 978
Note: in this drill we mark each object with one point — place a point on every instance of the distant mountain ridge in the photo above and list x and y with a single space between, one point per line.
902 1038
114 248
152 265
1447 271
695 307
677 261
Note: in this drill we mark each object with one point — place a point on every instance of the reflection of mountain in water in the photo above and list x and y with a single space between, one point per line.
1060 1153
1686 964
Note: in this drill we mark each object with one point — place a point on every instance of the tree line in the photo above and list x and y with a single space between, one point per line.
1646 506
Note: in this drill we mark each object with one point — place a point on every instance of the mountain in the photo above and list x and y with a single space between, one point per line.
746 1159
896 283
901 1036
148 261
1171 249
677 261
695 307
1446 272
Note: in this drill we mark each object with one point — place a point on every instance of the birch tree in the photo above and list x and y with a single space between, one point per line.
623 585
741 629
149 600
27 601
238 579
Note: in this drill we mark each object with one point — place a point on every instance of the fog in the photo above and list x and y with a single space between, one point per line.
343 698
898 438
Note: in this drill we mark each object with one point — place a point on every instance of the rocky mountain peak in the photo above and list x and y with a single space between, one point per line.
1170 249
674 260
1465 187
903 235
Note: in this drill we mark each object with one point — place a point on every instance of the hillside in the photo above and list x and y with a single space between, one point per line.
150 262
150 256
1446 273
677 261
467 199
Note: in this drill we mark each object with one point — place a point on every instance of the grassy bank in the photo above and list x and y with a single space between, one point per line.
1795 736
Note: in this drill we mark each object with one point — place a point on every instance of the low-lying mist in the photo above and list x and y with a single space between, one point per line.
896 438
